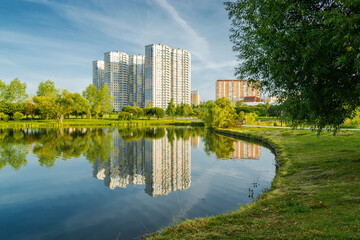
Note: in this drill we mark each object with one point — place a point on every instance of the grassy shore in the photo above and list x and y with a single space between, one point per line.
107 122
315 194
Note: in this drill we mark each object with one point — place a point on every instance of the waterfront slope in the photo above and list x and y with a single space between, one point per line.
315 194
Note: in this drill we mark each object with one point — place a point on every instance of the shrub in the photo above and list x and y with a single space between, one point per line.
159 112
124 116
18 116
250 118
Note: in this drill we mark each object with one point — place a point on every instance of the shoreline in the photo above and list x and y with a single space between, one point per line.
98 123
313 190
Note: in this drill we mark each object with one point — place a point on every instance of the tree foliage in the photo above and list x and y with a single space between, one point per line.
170 111
159 112
221 113
305 52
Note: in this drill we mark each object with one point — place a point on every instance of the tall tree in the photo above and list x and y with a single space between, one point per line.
105 100
90 94
171 108
47 88
305 52
45 98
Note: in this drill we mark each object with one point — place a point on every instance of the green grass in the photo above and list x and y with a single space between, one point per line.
315 194
72 122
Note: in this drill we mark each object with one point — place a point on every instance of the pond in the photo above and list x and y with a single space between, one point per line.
100 183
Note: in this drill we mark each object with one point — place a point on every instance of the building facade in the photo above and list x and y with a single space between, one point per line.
167 75
117 77
124 76
98 73
137 80
195 97
236 90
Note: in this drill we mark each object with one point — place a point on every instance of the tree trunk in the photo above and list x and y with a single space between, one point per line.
61 118
47 116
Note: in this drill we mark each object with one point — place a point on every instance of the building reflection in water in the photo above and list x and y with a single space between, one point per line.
195 142
245 150
161 165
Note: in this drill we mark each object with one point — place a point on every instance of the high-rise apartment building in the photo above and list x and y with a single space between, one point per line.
180 76
236 90
136 80
117 77
195 97
167 75
124 76
98 73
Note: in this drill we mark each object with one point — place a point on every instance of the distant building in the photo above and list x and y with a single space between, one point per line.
236 90
117 78
98 73
124 76
136 80
167 75
195 97
252 99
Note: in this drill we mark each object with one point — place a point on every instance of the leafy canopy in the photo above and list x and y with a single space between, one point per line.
307 54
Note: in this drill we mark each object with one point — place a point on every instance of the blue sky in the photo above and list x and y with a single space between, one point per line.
58 40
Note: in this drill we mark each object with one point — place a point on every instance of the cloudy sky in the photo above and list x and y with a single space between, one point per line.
59 39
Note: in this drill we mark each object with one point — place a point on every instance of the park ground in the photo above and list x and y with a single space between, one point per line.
314 195
107 122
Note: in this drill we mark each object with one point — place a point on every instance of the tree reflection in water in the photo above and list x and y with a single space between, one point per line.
159 158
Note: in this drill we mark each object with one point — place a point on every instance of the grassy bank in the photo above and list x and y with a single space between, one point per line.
315 194
97 123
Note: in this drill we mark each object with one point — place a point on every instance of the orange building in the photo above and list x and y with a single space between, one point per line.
236 90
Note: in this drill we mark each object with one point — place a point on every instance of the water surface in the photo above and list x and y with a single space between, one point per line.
122 183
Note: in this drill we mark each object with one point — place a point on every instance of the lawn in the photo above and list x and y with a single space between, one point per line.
73 122
315 194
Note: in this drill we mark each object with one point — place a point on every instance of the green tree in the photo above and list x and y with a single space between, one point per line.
250 118
186 109
105 100
45 97
149 112
131 110
140 112
81 105
68 102
221 113
18 116
305 52
47 88
159 112
124 116
30 108
12 97
170 111
90 94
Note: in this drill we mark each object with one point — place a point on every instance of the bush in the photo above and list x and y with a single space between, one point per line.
159 112
4 117
131 110
124 116
18 116
250 118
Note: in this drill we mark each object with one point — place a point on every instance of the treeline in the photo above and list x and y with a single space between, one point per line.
51 102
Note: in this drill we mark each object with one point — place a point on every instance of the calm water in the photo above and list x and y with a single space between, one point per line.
122 183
